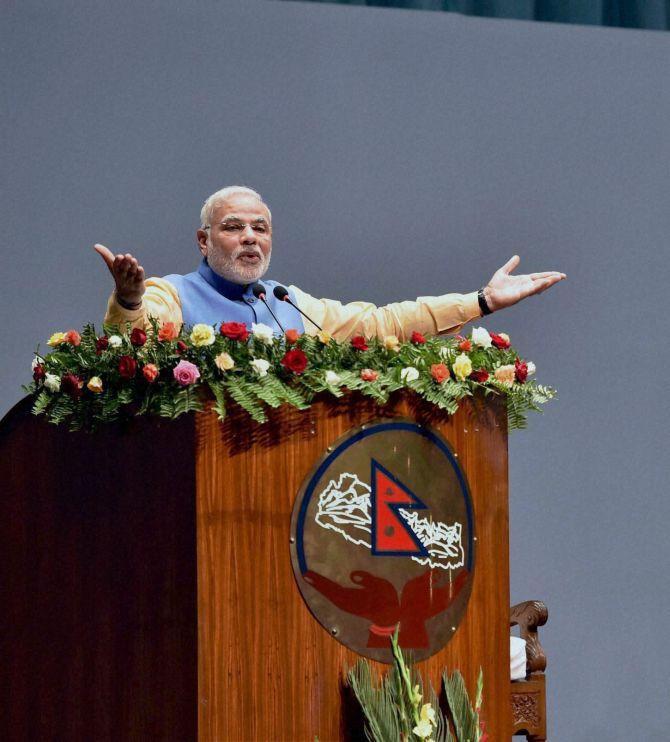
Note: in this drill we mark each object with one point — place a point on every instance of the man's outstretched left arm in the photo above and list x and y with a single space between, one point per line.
428 314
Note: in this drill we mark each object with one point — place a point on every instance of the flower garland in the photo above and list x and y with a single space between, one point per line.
89 379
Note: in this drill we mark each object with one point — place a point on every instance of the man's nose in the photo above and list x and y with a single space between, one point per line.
248 235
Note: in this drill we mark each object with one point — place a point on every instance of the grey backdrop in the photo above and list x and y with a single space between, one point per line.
402 153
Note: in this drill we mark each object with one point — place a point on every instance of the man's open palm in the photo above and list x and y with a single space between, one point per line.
128 274
504 289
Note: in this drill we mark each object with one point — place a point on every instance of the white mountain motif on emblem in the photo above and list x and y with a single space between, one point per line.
344 507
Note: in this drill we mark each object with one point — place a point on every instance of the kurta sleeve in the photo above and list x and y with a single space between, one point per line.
433 315
160 300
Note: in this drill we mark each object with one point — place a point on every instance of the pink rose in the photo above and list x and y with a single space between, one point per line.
186 373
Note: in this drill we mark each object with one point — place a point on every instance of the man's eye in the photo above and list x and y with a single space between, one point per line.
261 228
232 227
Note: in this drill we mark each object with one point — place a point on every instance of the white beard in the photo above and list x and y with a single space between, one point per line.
229 268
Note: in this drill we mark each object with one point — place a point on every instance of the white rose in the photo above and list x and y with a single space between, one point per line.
115 341
52 382
262 332
260 366
332 378
480 336
531 368
409 373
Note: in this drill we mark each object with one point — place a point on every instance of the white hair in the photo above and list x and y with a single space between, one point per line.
215 199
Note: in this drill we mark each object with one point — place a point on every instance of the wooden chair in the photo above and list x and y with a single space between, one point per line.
528 697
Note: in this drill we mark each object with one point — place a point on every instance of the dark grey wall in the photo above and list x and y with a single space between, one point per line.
402 153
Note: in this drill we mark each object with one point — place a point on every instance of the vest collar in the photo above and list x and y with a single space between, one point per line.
227 288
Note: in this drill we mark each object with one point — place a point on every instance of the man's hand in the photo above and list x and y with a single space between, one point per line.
503 289
128 275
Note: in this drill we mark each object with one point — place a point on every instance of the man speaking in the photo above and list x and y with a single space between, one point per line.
235 239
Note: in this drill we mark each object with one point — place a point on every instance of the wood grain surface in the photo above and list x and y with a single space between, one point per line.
266 669
98 582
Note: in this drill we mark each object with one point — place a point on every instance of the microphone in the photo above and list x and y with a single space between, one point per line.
258 290
282 294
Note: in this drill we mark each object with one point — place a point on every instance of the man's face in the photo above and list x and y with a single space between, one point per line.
238 242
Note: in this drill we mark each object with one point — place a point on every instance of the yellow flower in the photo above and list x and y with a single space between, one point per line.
56 339
505 374
324 337
462 367
427 722
224 362
392 343
95 384
202 335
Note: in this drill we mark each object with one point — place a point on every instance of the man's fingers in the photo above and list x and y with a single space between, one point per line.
106 254
511 264
546 274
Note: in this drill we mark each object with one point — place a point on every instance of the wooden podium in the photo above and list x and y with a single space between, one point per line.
147 587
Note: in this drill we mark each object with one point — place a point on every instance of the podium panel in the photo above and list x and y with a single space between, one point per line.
148 586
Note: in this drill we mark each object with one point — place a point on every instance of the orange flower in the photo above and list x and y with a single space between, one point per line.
465 346
368 374
439 372
72 337
291 336
168 331
150 372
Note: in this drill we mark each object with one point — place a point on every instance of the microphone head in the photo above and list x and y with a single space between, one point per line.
280 292
258 290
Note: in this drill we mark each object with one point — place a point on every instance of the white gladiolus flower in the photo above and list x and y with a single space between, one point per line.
260 366
481 337
444 352
332 378
115 341
531 368
409 373
52 382
262 332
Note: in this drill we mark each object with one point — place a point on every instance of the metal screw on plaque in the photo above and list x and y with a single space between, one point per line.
334 631
474 538
292 540
329 449
363 427
453 628
465 430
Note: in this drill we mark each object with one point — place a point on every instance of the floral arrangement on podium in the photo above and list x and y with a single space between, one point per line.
88 379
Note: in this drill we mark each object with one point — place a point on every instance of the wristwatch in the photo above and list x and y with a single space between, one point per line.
482 303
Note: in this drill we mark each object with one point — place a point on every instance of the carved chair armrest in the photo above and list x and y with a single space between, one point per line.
529 615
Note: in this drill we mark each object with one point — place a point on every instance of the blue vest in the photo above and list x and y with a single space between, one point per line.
208 298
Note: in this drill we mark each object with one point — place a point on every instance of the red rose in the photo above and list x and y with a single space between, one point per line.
102 343
520 370
291 336
368 374
150 372
71 384
439 372
138 337
72 337
181 347
417 338
39 372
359 343
294 360
480 375
168 331
235 331
465 346
127 367
500 341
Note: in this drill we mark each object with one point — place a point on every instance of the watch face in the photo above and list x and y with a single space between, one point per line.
382 540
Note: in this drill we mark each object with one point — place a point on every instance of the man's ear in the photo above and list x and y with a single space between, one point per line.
201 236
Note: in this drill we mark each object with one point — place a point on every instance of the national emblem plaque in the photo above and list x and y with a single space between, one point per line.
382 537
